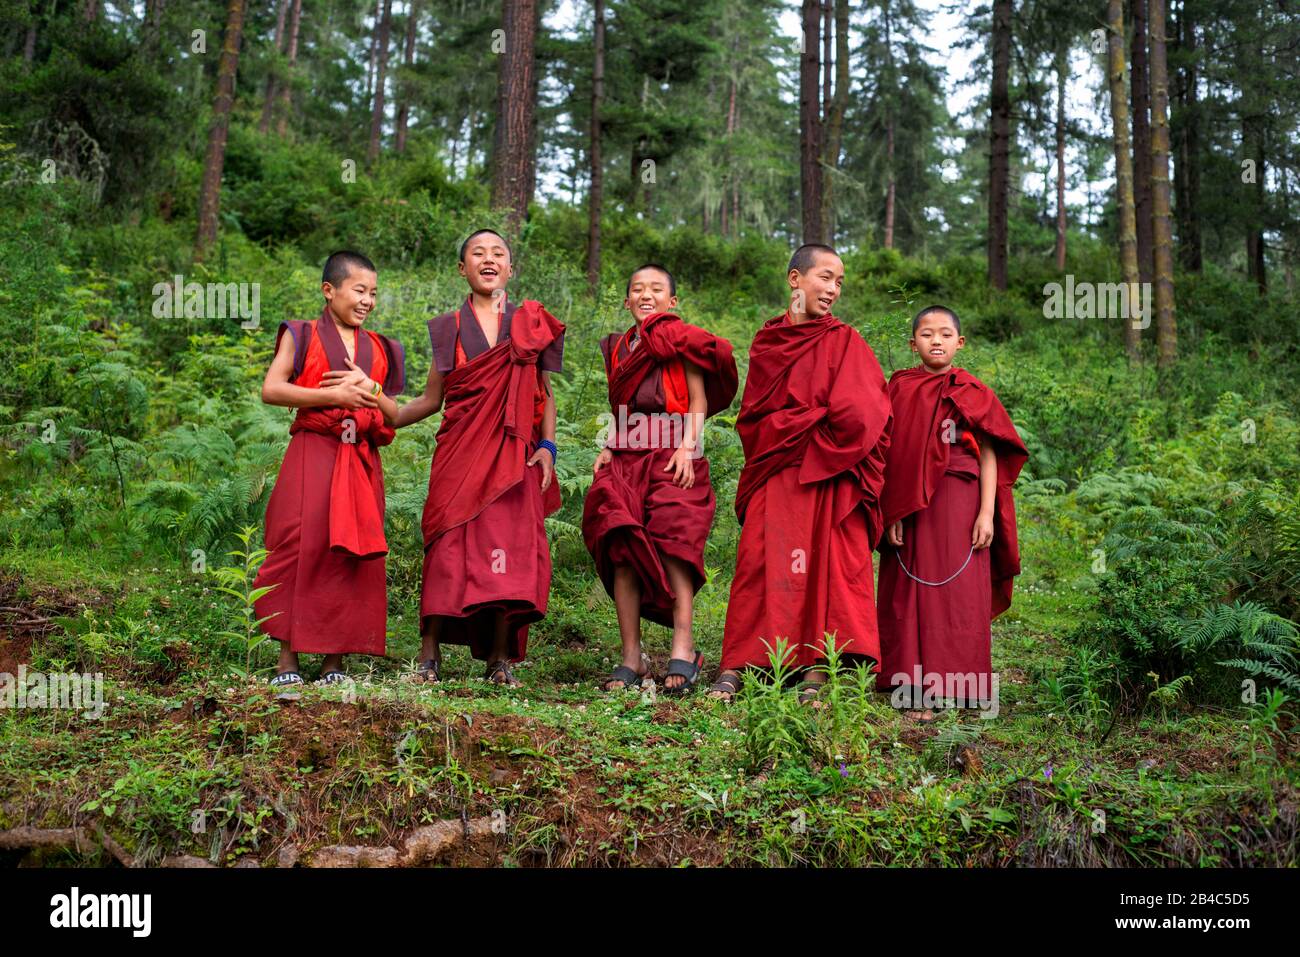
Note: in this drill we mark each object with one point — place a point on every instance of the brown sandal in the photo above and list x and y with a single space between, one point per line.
502 668
726 687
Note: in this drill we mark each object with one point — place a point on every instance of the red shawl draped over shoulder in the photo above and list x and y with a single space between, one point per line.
815 424
918 456
665 337
487 425
779 427
634 514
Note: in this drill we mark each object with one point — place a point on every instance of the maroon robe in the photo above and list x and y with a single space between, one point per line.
814 422
634 514
485 547
937 636
325 518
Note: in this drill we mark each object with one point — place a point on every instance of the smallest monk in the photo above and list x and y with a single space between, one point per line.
950 550
648 512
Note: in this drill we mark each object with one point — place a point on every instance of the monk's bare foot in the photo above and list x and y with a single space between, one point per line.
288 660
923 717
330 664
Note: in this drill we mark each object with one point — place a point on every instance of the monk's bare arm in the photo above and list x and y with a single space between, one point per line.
425 404
548 411
982 533
699 404
278 390
389 409
540 455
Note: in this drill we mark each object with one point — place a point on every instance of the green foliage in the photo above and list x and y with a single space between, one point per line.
236 581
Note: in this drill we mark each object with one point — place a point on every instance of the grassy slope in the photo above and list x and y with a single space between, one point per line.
581 777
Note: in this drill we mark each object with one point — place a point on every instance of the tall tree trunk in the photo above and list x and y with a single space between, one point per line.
1252 141
1187 171
1062 71
90 12
999 144
29 44
835 119
1123 174
728 176
374 50
408 60
890 186
826 59
286 87
530 150
268 100
383 31
891 127
826 68
1141 93
1163 248
810 126
214 161
597 196
515 106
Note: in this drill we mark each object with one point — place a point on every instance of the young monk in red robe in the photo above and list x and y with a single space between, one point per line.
487 563
950 553
650 506
814 422
325 519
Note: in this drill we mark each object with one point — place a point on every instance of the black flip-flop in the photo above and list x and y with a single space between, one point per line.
689 670
624 674
332 678
290 683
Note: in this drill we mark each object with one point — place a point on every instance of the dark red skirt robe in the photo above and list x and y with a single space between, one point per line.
634 514
485 546
814 422
936 637
325 518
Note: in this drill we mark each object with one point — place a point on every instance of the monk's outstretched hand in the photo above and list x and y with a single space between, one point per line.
543 458
894 534
981 535
682 467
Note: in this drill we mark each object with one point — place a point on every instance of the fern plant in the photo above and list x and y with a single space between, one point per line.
1260 643
237 582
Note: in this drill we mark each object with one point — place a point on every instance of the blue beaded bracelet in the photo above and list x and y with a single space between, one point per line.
550 447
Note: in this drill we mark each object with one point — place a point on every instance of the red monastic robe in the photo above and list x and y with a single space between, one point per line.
325 518
937 635
814 422
634 514
485 546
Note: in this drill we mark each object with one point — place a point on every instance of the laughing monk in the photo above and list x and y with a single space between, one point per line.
650 506
814 423
487 563
950 551
325 519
